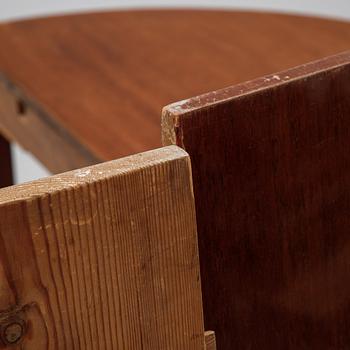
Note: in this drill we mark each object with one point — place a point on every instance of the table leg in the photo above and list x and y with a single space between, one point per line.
6 178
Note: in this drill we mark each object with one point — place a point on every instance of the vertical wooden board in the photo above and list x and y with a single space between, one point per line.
5 163
105 257
271 172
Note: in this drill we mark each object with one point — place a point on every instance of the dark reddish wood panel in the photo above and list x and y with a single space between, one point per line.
271 169
6 178
101 79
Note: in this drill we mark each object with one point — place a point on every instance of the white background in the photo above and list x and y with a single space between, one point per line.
26 167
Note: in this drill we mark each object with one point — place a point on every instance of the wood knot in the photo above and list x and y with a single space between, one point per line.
13 325
13 332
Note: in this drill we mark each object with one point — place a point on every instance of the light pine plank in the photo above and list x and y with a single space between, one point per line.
105 257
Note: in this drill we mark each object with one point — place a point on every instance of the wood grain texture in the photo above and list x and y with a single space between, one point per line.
6 178
271 172
101 79
105 257
210 341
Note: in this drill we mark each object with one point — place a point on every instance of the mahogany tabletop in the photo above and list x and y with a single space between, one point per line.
101 79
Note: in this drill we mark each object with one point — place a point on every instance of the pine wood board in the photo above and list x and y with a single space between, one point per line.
104 257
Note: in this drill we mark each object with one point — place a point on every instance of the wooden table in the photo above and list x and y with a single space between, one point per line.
80 89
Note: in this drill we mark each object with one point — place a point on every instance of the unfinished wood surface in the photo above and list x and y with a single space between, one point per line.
271 172
5 163
101 79
104 257
210 341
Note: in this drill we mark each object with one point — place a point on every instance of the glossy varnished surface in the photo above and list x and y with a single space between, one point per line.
271 172
101 79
